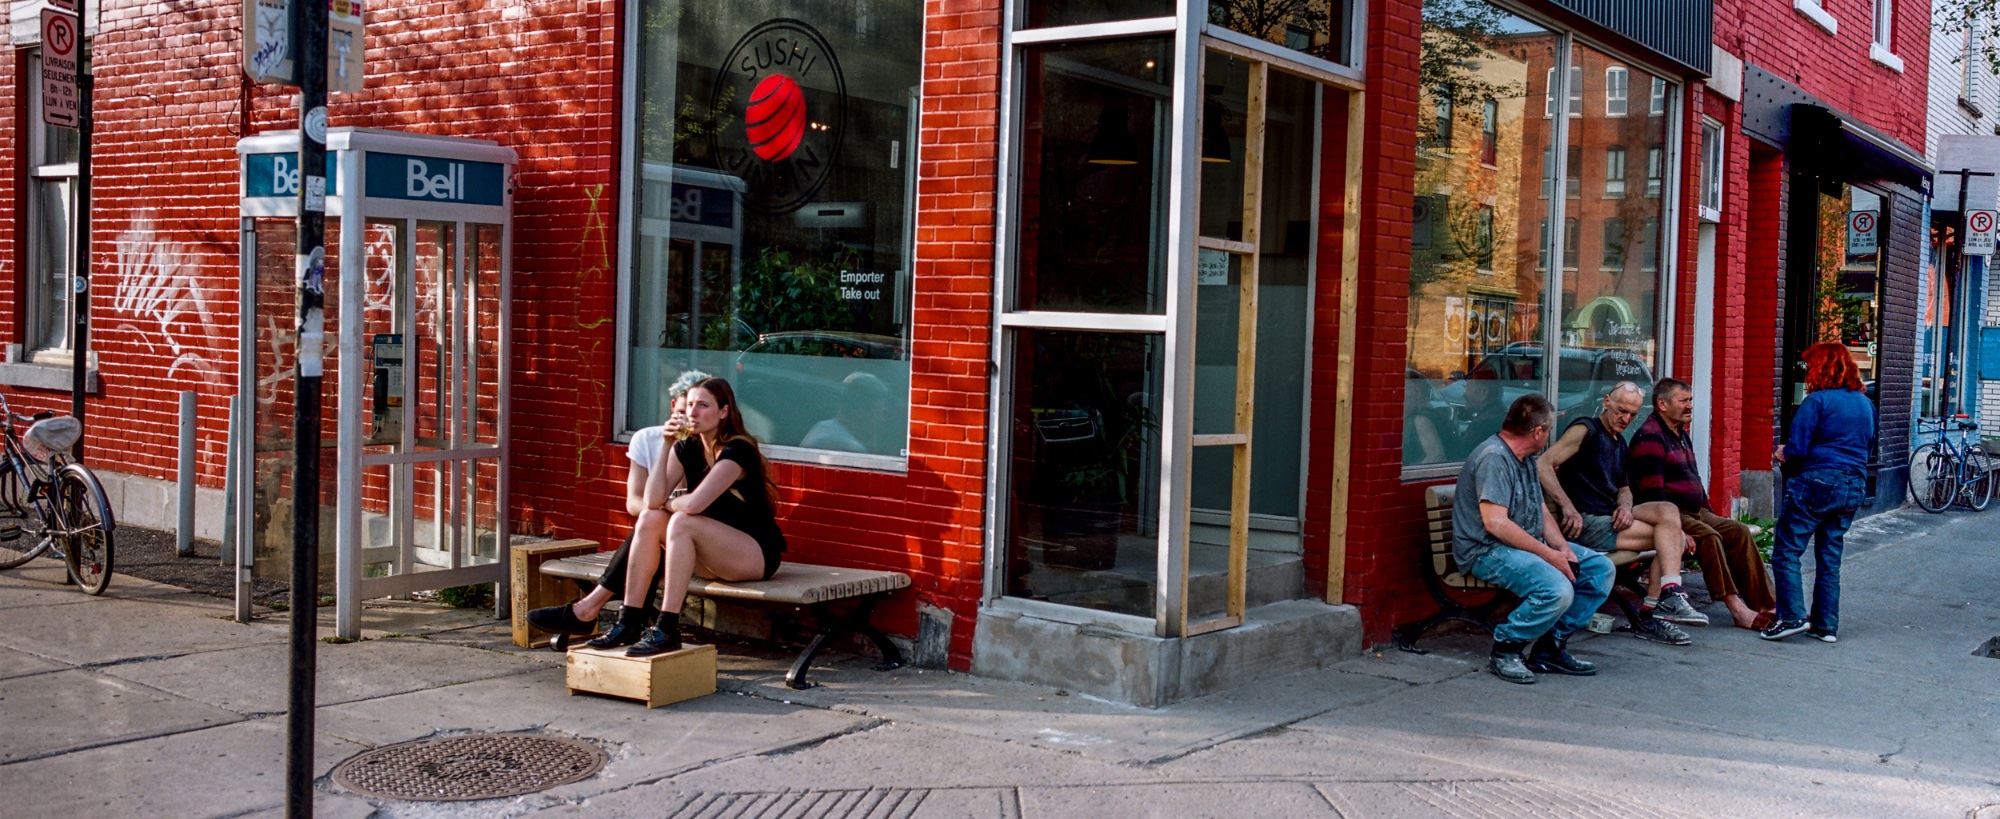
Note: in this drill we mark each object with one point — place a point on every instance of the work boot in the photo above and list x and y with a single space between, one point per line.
631 622
1506 663
663 637
1551 656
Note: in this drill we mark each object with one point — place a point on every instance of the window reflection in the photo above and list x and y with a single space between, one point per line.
1093 153
1082 523
1480 238
1317 28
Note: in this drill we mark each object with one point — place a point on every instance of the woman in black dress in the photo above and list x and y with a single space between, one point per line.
711 504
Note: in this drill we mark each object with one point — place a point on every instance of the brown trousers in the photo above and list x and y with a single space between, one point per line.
1729 561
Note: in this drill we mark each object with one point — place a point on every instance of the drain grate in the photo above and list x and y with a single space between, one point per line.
474 766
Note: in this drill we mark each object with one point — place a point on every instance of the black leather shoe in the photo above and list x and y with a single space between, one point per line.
1551 656
560 620
631 622
654 641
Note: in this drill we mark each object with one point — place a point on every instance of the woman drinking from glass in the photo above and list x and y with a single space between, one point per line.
711 505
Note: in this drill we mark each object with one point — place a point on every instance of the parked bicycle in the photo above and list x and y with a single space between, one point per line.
50 502
1944 471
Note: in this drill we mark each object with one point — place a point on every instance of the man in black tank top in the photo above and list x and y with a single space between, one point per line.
1583 475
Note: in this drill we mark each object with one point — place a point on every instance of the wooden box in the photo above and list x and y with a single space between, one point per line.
532 590
656 680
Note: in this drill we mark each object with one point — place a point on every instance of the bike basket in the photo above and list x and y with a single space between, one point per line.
51 435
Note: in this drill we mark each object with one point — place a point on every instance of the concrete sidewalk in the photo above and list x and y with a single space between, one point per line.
149 701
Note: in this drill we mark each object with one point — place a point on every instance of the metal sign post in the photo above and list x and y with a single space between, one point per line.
309 19
66 102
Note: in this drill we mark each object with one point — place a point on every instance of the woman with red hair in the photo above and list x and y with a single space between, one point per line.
1825 460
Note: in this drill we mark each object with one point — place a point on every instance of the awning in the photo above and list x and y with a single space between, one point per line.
1841 141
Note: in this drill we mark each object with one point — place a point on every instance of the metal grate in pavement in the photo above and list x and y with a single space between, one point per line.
473 766
1482 799
870 803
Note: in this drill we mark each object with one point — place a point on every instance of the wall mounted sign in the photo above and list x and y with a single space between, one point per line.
430 179
277 175
785 84
1978 233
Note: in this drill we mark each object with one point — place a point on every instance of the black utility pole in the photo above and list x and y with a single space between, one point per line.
80 278
309 19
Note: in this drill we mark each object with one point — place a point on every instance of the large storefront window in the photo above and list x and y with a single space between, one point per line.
1588 260
772 231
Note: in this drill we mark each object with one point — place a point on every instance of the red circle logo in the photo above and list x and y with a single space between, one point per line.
776 119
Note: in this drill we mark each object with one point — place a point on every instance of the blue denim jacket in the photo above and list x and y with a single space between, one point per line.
1834 429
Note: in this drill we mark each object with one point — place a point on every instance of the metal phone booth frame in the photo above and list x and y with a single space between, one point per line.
424 283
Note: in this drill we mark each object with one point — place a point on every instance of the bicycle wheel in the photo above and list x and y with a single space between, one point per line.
86 527
1933 478
1978 481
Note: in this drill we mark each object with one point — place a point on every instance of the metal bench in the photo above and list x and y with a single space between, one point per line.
1443 576
813 590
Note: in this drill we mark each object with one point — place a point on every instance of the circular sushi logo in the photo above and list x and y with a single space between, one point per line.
786 84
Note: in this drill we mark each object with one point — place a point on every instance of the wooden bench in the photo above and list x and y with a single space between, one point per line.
1443 576
812 590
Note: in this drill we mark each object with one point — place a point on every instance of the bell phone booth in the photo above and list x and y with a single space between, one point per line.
419 298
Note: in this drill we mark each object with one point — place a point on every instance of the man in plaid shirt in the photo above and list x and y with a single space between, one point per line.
1662 466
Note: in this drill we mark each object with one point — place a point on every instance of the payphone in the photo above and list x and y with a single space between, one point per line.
419 379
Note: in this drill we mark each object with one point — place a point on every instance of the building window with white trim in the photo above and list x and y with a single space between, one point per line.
1656 166
1883 49
1616 90
52 160
1711 171
1614 171
771 213
1659 102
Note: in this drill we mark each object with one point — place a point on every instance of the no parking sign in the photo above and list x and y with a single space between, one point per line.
1861 232
1978 233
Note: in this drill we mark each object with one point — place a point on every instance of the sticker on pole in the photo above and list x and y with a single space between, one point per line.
1978 233
60 42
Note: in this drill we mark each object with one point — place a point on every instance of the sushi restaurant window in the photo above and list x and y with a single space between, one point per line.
769 228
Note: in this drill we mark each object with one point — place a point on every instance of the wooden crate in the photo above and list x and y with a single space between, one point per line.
532 590
656 680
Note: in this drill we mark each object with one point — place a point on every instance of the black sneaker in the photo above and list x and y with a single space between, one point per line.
1821 635
1782 629
1654 629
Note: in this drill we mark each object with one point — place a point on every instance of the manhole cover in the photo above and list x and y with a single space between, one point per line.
475 766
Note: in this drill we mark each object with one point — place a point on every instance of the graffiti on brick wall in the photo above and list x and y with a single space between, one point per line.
594 249
157 286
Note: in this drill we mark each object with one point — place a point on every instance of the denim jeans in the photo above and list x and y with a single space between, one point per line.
1819 505
1547 598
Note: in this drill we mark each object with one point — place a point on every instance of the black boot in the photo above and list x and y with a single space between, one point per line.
664 636
560 620
1551 656
631 621
1505 662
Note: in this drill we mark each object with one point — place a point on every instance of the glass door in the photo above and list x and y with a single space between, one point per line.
431 494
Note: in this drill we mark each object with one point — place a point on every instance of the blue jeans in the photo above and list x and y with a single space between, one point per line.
1547 598
1819 506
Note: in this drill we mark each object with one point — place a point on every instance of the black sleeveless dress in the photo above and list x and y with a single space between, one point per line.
754 513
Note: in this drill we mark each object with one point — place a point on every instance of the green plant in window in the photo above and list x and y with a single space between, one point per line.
781 290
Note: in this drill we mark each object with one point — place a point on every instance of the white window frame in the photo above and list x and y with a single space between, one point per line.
39 170
1614 171
1812 11
1883 48
1714 144
1658 104
1617 91
1656 169
1968 70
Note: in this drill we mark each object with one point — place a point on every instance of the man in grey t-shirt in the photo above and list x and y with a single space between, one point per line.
1502 533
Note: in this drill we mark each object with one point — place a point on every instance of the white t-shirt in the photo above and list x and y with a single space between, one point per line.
645 447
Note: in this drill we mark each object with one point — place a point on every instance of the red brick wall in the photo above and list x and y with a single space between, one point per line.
1835 67
543 79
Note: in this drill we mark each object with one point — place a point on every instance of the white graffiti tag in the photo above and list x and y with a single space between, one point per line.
156 283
